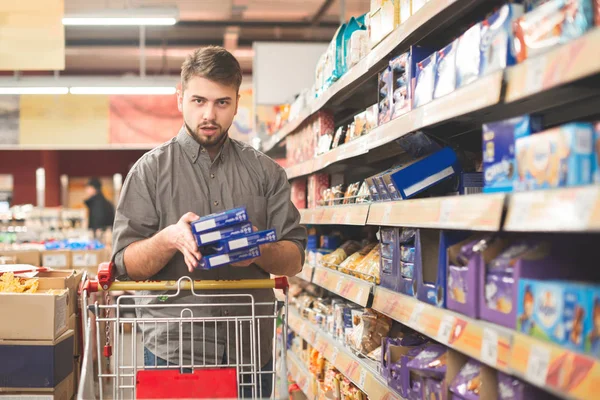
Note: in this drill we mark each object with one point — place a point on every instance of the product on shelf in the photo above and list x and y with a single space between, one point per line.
317 183
415 56
396 353
358 48
467 384
401 73
334 259
470 183
385 95
362 195
385 17
445 72
339 137
511 388
497 39
405 10
298 192
558 157
368 267
368 334
425 81
406 281
353 25
468 56
430 364
551 23
349 265
499 162
331 383
560 312
389 262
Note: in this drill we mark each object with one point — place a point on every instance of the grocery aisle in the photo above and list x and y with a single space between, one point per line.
445 164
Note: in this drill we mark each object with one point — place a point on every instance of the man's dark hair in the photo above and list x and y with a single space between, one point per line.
213 63
95 183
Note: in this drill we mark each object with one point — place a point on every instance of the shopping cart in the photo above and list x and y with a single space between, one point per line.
118 371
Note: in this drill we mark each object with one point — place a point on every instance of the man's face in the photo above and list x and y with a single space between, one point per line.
208 109
90 191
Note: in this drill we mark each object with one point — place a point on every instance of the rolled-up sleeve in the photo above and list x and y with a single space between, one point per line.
136 217
282 214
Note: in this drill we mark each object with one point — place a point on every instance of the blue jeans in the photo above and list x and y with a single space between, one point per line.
265 380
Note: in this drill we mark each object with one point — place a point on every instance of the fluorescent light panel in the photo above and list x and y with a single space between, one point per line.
33 90
165 90
84 21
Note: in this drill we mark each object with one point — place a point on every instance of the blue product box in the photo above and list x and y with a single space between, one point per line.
217 260
425 81
470 183
353 25
415 56
425 172
592 343
312 242
445 74
372 185
497 39
219 220
36 364
468 57
554 311
389 261
400 67
242 242
499 164
558 157
385 99
384 194
203 239
330 242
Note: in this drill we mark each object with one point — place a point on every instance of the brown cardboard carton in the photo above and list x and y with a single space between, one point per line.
31 257
56 259
65 390
88 258
39 316
74 326
62 279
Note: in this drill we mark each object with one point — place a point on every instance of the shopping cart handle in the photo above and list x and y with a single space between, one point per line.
105 275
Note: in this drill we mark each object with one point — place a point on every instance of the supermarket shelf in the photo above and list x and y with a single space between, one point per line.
307 273
303 378
565 64
351 214
351 288
483 93
561 210
362 372
550 367
478 339
480 212
286 130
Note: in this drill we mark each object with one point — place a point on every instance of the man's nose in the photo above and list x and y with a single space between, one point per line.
209 112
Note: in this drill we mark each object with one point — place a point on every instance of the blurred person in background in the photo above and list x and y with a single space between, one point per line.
101 213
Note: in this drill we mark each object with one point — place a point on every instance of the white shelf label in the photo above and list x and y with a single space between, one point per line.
363 378
489 347
386 213
537 365
416 313
446 329
334 355
535 73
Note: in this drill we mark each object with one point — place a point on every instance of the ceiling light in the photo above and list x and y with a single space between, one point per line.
141 90
128 16
33 90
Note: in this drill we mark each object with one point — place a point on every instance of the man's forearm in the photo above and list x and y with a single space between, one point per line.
280 258
147 257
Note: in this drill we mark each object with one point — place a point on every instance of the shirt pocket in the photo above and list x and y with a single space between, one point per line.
257 209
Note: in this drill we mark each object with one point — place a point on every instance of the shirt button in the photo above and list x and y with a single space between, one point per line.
212 176
203 151
216 203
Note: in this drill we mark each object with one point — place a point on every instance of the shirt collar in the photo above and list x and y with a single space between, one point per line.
193 148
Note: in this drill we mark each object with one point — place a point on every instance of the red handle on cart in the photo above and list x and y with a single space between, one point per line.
105 281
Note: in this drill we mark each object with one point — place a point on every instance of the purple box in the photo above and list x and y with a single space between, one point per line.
431 362
389 269
435 389
393 349
399 376
511 388
547 260
460 385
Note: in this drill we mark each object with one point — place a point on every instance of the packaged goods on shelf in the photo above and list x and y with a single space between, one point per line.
334 259
467 384
425 81
551 23
317 183
558 157
416 55
298 192
358 47
499 156
445 71
402 73
497 39
349 265
468 56
560 312
339 137
511 388
405 10
470 183
429 364
385 17
396 353
385 96
368 334
354 25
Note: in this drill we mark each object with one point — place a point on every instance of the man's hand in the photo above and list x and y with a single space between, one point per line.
181 238
247 263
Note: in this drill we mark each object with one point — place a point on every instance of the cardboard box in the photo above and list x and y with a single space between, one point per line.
56 259
88 258
30 257
36 364
64 390
74 325
4 260
40 316
65 279
455 361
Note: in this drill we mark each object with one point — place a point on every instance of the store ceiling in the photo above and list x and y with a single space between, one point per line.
115 50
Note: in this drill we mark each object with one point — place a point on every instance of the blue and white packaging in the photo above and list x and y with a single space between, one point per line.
497 39
499 164
445 76
242 242
425 81
202 239
415 56
421 174
217 260
468 56
219 220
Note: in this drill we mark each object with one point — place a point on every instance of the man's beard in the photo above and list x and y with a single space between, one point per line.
208 141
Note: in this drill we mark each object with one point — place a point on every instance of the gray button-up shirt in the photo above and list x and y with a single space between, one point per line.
179 177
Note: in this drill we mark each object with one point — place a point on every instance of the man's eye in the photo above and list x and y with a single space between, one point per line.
223 103
198 101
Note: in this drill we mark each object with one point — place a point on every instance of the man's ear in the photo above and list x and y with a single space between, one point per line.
180 100
237 104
